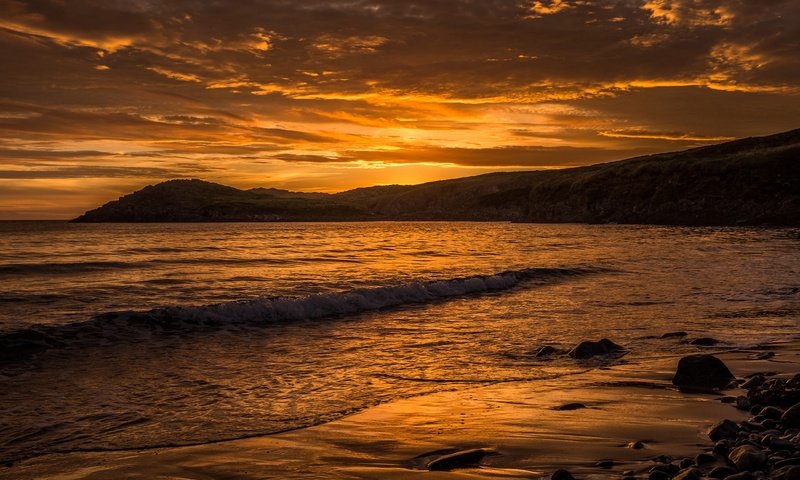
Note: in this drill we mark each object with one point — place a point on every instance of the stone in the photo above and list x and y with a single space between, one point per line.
546 351
589 349
561 475
791 417
460 459
658 475
721 471
688 474
703 459
774 413
702 372
748 457
724 429
742 476
674 335
704 342
636 445
605 464
763 355
754 381
787 462
792 473
743 403
722 447
570 406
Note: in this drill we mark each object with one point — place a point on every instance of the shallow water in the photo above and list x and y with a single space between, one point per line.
377 312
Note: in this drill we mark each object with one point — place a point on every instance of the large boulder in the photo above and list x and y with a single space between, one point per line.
589 349
702 372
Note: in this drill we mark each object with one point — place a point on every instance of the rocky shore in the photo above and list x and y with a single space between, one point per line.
764 446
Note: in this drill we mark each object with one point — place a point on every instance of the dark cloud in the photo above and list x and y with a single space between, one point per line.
88 172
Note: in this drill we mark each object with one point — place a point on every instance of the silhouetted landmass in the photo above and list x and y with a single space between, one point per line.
754 181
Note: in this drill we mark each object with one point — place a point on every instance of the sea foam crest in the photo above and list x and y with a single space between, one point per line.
349 302
119 326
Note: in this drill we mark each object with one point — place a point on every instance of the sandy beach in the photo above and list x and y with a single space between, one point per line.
520 421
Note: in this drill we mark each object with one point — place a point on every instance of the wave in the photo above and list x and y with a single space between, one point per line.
63 267
262 311
66 268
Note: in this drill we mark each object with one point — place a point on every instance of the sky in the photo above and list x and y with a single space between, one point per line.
102 97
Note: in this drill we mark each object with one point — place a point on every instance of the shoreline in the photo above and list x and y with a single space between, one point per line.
520 421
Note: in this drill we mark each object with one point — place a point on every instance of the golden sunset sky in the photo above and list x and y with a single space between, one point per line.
100 98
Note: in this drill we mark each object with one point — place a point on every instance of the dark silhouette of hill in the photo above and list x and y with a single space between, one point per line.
754 181
200 201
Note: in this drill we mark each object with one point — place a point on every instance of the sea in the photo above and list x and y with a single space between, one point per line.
134 336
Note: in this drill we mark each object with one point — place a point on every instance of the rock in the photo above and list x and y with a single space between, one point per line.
791 417
658 475
703 459
776 444
721 471
787 462
570 406
636 445
763 355
724 429
561 475
742 476
460 459
773 413
722 447
605 464
702 371
704 342
674 335
754 381
748 457
589 349
688 474
792 473
743 403
546 351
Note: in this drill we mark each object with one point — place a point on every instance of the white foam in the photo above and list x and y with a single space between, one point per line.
354 301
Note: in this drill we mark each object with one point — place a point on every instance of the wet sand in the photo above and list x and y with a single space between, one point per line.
625 403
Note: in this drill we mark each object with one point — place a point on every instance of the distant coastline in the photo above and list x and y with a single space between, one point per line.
753 181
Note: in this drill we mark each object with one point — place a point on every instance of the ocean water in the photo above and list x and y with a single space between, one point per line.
136 336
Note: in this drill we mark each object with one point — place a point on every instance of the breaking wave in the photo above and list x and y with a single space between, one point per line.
268 310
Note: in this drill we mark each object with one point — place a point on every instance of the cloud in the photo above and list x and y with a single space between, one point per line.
88 172
353 92
182 77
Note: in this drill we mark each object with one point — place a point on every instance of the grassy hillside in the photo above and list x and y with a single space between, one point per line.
754 181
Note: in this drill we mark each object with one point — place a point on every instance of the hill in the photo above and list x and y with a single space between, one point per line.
754 181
